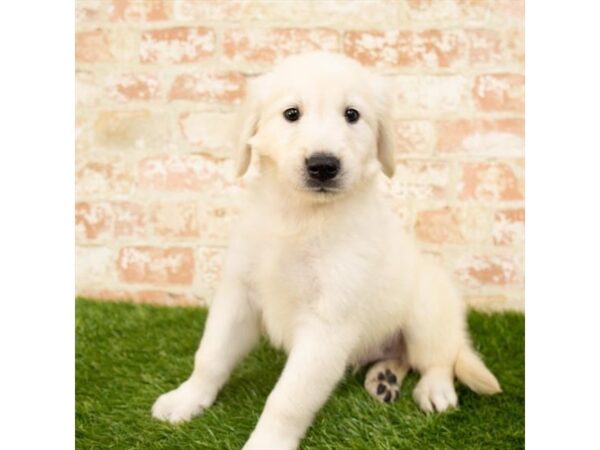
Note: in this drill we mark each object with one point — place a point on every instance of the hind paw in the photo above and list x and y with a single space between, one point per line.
384 379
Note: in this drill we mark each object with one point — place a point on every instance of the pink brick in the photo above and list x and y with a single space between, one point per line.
424 49
487 270
414 136
185 173
226 87
500 92
509 227
177 45
102 220
143 264
438 226
102 175
174 219
496 47
133 86
132 129
90 11
209 131
463 11
491 182
431 94
93 265
140 10
92 47
417 179
267 46
453 225
508 10
501 137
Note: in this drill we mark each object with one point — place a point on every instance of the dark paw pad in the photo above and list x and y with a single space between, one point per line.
387 389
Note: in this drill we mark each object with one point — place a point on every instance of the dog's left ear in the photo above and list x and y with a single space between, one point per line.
385 132
247 125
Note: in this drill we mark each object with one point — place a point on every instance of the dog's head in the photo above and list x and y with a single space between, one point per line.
319 122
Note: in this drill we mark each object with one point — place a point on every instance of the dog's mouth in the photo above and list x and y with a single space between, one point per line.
323 188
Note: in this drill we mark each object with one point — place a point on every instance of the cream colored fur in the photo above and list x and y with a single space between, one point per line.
327 276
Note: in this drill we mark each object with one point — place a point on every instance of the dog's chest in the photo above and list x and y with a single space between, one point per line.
289 286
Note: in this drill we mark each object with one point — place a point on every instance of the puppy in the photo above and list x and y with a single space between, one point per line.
321 265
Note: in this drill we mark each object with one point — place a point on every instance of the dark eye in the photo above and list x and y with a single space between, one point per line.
291 114
351 115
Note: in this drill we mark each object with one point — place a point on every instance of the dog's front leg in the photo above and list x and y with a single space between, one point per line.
316 363
231 331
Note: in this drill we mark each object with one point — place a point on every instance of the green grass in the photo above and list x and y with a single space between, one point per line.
129 354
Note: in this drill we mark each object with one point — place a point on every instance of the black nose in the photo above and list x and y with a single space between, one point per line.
322 166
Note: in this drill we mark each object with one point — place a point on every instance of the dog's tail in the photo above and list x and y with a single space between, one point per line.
470 370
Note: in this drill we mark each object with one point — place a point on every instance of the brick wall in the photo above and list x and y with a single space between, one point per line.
157 83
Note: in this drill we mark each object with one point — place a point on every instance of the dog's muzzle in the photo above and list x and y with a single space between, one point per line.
322 170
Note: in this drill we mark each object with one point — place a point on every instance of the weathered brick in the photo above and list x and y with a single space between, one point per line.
102 175
173 219
416 179
144 264
177 45
497 137
138 129
88 91
88 11
496 47
500 92
509 227
431 94
133 86
266 46
92 47
491 182
438 226
140 10
207 131
414 136
423 49
476 270
453 225
226 87
247 11
464 11
508 10
93 220
186 173
93 265
102 220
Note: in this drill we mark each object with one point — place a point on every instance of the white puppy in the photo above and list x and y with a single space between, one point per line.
320 263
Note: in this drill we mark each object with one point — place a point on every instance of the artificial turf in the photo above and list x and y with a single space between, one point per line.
126 355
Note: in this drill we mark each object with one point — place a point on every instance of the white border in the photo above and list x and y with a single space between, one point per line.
37 258
563 224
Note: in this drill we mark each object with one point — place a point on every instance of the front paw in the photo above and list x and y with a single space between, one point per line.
265 441
181 404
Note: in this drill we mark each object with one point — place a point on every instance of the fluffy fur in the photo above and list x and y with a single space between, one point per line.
328 276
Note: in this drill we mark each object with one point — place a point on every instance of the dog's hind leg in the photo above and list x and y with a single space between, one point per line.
384 378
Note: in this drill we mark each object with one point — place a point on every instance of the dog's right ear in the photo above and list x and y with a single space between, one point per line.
247 124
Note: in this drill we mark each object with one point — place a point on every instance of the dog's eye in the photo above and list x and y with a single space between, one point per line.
351 115
291 114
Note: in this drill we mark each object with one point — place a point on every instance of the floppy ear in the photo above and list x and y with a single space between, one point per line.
247 126
385 133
